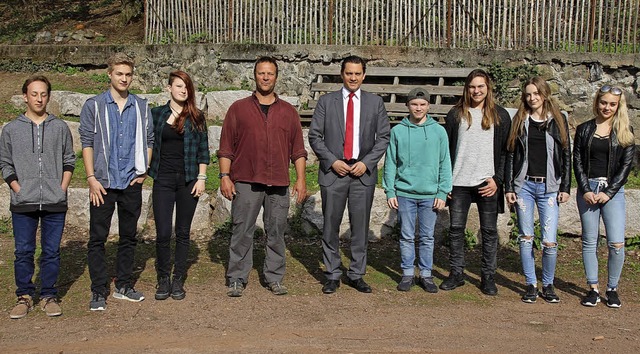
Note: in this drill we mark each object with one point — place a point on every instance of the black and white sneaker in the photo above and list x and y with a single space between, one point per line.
613 300
531 295
549 294
592 298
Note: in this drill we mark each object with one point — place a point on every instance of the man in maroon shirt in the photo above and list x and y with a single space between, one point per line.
261 135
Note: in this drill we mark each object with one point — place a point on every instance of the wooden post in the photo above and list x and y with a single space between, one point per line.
449 23
230 22
332 6
592 24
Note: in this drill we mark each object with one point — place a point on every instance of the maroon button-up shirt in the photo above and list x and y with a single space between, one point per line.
261 146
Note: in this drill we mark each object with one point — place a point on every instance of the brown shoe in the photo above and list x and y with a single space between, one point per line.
22 308
51 306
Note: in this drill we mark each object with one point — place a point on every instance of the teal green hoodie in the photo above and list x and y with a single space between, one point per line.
417 164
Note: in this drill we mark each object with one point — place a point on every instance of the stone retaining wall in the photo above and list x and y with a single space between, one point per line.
212 211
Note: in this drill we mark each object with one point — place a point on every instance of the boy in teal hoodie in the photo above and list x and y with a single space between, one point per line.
417 179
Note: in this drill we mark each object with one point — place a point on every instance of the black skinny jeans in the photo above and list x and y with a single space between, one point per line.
461 199
129 203
170 189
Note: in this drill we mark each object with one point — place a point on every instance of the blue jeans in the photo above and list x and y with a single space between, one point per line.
25 226
408 210
534 194
613 215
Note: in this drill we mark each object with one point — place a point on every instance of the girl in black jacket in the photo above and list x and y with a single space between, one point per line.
538 175
602 157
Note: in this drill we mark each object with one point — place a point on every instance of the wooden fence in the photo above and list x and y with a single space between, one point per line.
565 25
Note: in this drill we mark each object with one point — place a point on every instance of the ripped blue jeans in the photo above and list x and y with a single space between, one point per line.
614 218
534 194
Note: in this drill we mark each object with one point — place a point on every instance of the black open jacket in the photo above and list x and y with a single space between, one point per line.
620 159
500 135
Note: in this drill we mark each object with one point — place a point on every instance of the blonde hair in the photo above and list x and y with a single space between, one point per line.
119 59
620 121
549 107
489 113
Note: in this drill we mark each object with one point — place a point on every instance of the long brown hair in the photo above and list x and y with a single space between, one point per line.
489 113
189 110
549 107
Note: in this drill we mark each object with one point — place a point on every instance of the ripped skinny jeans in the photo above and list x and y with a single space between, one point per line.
613 215
534 194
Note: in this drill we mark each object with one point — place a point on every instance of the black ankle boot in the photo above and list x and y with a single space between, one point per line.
163 289
177 288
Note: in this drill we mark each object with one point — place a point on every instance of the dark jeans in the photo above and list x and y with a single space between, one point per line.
129 203
461 199
25 226
170 189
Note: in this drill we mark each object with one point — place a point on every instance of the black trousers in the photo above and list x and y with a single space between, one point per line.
461 199
170 189
129 203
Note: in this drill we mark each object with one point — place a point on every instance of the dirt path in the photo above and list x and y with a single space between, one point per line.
386 321
207 320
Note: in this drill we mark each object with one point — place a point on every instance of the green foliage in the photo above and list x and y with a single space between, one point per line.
100 78
224 230
507 79
201 37
168 37
632 243
5 226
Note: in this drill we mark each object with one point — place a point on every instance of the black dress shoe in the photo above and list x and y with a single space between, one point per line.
359 285
330 286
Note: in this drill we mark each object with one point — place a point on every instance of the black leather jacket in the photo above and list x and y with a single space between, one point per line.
561 159
620 159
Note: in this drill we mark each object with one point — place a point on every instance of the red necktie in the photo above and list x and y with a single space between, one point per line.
348 135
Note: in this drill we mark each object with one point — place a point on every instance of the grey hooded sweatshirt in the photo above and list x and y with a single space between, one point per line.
36 156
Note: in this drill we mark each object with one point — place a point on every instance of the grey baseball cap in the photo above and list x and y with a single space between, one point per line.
418 92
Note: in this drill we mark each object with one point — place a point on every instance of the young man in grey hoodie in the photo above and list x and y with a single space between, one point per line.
37 160
116 131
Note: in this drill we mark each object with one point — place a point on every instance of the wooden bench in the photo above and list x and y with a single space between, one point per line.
445 85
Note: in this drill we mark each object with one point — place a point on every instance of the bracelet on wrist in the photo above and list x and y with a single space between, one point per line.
89 176
202 177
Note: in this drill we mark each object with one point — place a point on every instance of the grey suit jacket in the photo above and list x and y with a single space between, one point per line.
326 135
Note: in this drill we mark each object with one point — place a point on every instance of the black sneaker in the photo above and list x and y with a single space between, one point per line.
163 288
612 299
177 288
549 294
454 280
406 283
592 298
488 285
428 285
531 295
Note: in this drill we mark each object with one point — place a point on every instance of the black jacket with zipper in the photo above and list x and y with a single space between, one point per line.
561 158
619 165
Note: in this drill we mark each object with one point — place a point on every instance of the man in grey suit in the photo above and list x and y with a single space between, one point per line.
349 133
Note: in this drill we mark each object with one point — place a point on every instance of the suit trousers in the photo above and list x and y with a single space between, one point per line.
335 197
250 197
